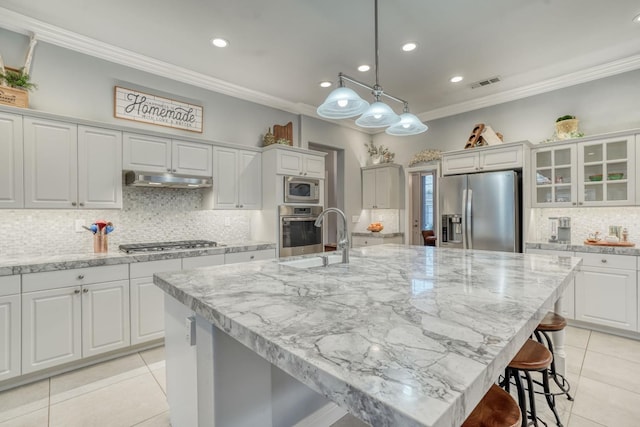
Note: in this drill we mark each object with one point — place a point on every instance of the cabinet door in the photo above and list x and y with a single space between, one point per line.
460 163
146 153
289 163
105 317
225 182
11 160
607 297
250 180
192 158
9 336
555 177
147 310
99 168
51 164
387 188
369 189
51 332
313 166
606 172
501 159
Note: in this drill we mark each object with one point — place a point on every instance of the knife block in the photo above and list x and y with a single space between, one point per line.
100 243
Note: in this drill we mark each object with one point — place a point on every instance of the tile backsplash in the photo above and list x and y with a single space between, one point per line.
390 219
148 215
587 220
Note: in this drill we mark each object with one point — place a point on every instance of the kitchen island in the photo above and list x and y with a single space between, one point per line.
401 336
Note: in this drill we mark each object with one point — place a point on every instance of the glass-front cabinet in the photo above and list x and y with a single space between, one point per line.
554 176
607 172
592 173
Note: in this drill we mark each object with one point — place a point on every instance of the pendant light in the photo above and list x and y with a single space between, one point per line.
345 103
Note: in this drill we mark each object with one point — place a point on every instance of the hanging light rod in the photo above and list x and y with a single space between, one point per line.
344 103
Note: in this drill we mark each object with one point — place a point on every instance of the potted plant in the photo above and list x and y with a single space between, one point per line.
17 79
566 125
15 84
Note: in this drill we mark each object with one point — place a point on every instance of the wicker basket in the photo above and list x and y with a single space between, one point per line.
14 97
567 126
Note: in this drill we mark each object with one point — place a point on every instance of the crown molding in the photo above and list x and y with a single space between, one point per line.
589 74
52 34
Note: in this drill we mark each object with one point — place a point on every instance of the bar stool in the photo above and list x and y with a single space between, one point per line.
532 357
553 322
496 409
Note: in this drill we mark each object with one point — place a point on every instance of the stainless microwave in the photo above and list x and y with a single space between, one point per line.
301 190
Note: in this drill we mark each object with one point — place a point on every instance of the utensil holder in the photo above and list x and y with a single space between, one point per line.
100 243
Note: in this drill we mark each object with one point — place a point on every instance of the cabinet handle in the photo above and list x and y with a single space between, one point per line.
168 169
77 291
305 174
80 276
580 203
73 203
174 170
81 204
252 257
366 242
242 206
300 173
84 291
574 203
604 261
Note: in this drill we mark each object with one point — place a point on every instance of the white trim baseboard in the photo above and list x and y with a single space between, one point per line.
323 417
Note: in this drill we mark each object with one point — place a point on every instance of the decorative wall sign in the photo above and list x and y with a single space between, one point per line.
142 107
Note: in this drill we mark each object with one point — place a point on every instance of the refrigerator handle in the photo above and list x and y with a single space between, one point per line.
464 219
467 215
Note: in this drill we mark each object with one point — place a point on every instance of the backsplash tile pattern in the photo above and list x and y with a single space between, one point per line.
588 220
148 215
390 219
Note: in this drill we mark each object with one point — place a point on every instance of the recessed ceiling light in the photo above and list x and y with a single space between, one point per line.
408 47
219 42
456 79
364 68
636 19
325 84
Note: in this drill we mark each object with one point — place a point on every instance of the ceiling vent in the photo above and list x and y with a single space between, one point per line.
486 82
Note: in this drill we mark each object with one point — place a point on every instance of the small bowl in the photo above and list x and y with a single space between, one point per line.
615 176
595 177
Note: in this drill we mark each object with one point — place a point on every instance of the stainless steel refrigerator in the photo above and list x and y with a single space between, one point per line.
481 211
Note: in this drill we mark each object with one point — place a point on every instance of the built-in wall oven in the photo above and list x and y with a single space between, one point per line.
298 234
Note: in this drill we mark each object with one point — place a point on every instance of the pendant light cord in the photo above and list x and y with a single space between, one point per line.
377 86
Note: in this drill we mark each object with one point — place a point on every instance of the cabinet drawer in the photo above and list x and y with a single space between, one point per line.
202 261
9 285
236 257
73 277
366 241
608 261
149 268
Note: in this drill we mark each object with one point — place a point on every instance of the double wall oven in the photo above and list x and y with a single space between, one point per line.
298 234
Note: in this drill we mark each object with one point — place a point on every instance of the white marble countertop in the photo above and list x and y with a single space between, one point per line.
401 336
592 249
22 264
378 234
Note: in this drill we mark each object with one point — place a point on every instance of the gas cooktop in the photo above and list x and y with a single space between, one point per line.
167 246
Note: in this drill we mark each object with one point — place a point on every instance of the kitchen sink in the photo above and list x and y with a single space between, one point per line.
312 262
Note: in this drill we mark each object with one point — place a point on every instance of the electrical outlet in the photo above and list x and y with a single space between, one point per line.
355 218
227 221
78 225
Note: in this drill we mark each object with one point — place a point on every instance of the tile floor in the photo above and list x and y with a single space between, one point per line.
604 371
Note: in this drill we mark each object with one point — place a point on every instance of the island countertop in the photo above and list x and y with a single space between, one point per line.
401 336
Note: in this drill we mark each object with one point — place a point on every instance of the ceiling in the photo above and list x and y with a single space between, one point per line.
283 48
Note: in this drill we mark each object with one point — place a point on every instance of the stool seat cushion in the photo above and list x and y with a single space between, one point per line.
533 356
552 322
496 409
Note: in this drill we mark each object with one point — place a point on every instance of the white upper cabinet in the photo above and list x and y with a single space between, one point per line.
381 187
154 154
554 176
299 164
237 179
67 166
483 160
99 168
51 164
11 159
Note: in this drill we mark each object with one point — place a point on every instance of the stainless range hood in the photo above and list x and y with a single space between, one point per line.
154 179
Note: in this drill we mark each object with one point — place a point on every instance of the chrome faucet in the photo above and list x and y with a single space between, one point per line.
343 240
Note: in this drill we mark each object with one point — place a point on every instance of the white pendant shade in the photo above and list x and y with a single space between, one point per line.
409 124
342 103
378 115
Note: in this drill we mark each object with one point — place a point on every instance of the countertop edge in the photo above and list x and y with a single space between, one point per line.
611 250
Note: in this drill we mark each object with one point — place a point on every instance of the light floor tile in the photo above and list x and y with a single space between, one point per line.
161 377
606 404
153 355
612 370
578 421
623 348
125 403
577 337
33 419
574 360
349 421
161 420
23 400
95 373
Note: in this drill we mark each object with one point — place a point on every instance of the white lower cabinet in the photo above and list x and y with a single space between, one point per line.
9 336
105 317
51 331
568 297
359 241
236 257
